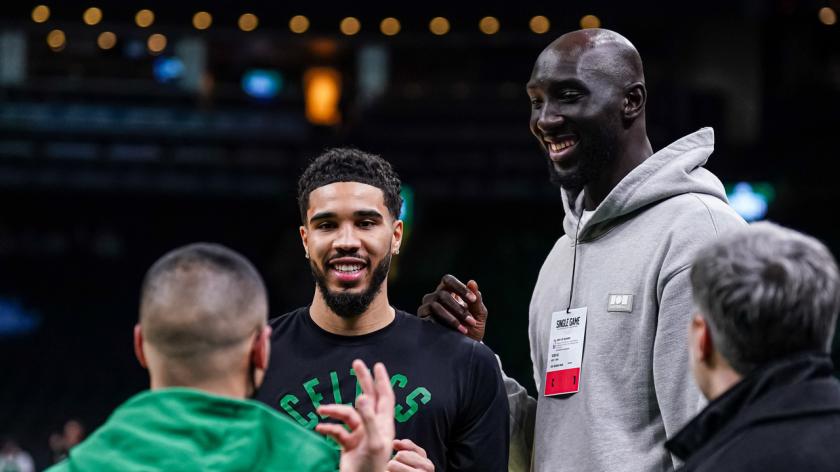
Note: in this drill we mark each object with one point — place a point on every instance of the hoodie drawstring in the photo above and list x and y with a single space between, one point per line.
574 261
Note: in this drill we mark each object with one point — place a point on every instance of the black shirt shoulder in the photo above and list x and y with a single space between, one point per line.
279 321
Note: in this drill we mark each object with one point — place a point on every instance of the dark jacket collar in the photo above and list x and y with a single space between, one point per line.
762 396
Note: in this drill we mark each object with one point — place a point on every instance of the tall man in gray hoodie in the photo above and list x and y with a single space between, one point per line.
610 312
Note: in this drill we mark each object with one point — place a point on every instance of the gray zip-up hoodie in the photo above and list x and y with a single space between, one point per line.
636 388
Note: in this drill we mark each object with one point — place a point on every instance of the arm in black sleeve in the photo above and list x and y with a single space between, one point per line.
480 439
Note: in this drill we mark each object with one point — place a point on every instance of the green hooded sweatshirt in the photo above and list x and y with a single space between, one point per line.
182 429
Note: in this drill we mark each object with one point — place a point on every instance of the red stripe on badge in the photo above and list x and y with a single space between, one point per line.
562 381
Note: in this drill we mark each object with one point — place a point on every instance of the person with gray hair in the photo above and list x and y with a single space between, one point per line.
767 300
203 336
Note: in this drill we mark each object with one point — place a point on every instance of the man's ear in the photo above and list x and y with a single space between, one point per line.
260 355
138 346
635 97
304 239
396 239
261 351
701 339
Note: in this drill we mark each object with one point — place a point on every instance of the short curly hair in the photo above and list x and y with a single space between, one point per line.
350 165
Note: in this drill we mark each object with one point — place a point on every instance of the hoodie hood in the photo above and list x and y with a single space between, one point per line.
675 170
191 430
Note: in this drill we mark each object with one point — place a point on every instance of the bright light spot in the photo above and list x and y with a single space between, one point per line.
15 320
389 26
299 24
40 14
539 24
261 83
439 25
167 69
248 22
202 20
144 18
828 16
92 16
350 26
590 21
322 87
106 40
748 203
56 40
156 43
489 25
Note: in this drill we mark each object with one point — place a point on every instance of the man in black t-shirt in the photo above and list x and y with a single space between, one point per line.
451 408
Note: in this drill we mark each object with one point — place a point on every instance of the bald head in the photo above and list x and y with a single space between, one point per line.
599 50
201 301
595 50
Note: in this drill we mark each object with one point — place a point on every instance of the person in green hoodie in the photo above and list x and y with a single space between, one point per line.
204 338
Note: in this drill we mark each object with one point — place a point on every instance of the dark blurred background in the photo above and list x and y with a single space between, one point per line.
125 133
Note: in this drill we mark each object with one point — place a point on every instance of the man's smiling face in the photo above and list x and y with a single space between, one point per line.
576 109
349 235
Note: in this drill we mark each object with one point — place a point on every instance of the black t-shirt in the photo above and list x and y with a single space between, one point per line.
450 398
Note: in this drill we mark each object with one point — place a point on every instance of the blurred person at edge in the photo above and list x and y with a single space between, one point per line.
71 434
13 458
633 221
204 338
767 300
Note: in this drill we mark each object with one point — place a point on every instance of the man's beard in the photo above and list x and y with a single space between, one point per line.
346 304
597 152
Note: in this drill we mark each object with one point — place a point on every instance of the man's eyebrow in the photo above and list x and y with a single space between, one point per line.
367 214
322 216
551 83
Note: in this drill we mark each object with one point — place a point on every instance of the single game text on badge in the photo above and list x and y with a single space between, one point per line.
565 351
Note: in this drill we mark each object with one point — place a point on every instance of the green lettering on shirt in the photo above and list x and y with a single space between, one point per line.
335 389
314 396
287 404
358 385
401 415
399 380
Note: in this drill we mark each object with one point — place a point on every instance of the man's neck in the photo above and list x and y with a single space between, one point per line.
378 315
629 157
230 386
720 381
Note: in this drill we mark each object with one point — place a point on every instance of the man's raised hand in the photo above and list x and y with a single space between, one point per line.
366 447
456 305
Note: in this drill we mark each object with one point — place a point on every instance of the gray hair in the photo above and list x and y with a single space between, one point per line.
767 292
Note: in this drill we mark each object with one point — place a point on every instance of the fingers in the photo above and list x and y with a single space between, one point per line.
409 457
408 445
443 316
364 378
457 287
346 440
477 308
395 466
344 413
421 465
384 391
376 442
456 307
348 415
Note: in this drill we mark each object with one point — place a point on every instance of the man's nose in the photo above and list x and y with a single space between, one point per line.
346 238
550 118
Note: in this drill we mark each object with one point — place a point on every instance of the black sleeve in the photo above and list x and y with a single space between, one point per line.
480 439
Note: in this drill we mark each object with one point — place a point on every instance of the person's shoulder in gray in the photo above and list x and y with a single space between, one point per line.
767 300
